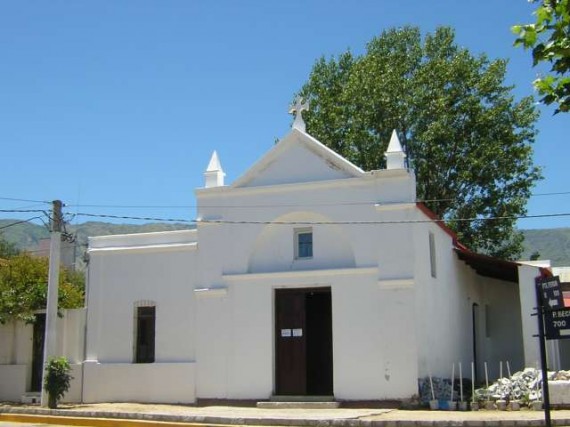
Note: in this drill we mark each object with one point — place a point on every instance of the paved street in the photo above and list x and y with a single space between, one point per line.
12 424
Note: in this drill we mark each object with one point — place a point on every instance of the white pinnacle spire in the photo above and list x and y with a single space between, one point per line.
214 175
214 164
394 154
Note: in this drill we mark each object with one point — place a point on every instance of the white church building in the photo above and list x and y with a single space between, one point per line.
307 276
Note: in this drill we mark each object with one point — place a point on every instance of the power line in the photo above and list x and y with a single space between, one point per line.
18 222
411 221
221 221
22 210
278 205
12 199
132 217
559 193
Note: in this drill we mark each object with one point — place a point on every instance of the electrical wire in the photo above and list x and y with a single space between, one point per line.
276 205
222 221
23 210
12 199
18 222
133 217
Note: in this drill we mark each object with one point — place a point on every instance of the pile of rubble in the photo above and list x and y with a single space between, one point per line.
523 386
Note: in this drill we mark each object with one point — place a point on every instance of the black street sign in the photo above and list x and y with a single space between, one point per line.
542 288
557 324
550 292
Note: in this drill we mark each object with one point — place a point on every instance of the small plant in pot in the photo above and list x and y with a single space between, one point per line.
57 379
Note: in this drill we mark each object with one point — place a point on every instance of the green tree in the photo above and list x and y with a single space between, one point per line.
467 139
23 288
7 249
549 39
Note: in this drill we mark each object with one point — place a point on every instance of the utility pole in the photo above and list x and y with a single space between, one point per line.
50 337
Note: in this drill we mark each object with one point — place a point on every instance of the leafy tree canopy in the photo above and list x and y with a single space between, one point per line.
23 287
549 39
466 137
7 249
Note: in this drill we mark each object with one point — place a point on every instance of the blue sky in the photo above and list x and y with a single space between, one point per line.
121 103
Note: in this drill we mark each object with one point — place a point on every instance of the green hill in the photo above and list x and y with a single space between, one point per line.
552 243
26 236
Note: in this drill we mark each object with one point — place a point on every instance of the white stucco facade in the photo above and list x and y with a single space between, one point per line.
403 303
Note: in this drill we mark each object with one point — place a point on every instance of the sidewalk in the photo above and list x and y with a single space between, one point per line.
134 414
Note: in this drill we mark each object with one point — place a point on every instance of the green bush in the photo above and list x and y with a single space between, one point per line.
57 379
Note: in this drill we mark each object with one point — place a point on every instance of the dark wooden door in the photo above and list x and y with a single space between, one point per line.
38 351
303 343
291 361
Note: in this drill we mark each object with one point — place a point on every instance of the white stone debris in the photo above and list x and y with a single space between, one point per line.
524 386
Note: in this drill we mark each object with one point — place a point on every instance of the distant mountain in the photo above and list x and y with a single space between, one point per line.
551 243
27 236
93 228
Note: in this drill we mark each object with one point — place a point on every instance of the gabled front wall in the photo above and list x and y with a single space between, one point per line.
215 302
374 356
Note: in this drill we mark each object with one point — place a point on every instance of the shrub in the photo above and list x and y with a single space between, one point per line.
57 379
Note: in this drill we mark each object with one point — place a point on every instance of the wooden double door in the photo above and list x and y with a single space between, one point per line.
303 342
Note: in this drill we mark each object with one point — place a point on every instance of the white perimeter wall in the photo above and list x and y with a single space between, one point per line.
16 354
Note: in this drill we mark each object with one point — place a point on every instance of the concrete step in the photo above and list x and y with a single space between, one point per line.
299 402
31 397
303 398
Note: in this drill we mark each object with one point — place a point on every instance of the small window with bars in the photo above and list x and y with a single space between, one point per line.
145 332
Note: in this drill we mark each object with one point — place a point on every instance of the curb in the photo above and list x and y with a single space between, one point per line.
86 421
134 419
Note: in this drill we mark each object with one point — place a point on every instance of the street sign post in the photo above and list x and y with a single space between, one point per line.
557 324
548 298
550 292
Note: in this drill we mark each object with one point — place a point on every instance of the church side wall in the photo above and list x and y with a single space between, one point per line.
445 308
502 327
443 304
119 281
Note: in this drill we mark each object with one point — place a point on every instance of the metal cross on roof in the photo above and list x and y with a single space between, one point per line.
298 109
